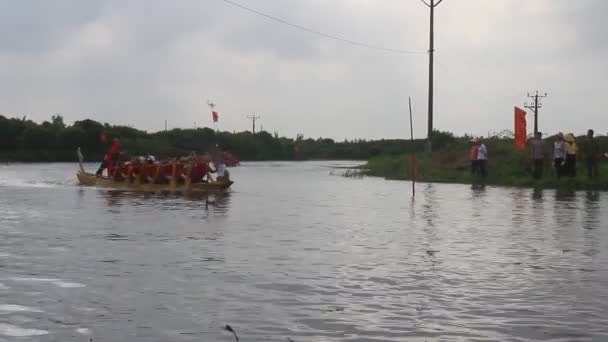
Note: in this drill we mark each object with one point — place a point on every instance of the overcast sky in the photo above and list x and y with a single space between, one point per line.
141 62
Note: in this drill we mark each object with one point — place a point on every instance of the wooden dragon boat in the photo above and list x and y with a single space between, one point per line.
174 182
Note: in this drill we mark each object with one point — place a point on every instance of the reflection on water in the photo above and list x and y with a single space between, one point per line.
565 208
478 189
166 200
565 196
430 204
294 252
537 194
519 202
592 207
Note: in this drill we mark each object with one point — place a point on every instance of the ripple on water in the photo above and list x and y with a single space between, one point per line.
83 331
17 331
10 308
56 282
18 319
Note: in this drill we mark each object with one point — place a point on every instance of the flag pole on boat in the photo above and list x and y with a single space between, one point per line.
214 114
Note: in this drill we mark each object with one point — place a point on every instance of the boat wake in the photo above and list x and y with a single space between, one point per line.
17 331
36 183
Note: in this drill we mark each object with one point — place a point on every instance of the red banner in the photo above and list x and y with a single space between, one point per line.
215 115
520 129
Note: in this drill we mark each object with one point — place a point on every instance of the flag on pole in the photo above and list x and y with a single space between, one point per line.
520 128
215 115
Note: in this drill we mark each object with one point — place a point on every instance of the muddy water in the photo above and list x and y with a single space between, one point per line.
294 251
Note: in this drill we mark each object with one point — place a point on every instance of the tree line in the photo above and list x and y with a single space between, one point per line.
24 140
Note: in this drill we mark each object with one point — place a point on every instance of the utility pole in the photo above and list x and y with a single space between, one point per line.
431 6
535 106
253 118
165 125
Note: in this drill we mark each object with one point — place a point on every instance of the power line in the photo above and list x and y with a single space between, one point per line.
325 35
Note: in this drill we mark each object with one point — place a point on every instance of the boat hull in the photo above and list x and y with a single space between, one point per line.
85 178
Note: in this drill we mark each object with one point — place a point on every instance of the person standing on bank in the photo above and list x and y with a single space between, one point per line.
559 154
537 154
592 155
571 151
473 152
482 159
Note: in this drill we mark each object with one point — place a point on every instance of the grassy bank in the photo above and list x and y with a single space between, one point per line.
506 167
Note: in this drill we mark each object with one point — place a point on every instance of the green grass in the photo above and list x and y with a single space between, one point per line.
506 167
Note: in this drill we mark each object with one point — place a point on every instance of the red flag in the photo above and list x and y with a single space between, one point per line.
103 137
520 128
215 115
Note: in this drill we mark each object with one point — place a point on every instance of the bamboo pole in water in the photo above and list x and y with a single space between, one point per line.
413 157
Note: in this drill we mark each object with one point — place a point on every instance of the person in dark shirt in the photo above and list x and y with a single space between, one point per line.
537 154
592 155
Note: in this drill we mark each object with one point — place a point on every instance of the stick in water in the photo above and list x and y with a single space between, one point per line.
413 158
229 328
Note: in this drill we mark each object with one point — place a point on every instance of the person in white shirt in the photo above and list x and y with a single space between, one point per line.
482 157
220 167
222 175
559 154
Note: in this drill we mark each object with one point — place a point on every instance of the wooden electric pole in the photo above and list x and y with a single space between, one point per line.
535 106
431 6
253 118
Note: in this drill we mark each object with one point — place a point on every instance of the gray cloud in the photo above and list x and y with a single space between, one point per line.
31 26
141 62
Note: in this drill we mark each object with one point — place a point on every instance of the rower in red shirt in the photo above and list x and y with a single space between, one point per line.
110 158
200 169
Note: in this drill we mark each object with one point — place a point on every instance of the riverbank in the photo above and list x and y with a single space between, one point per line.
505 168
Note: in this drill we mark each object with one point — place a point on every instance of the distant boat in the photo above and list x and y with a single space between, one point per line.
175 181
230 160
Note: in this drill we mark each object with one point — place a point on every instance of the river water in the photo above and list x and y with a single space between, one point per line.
295 251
